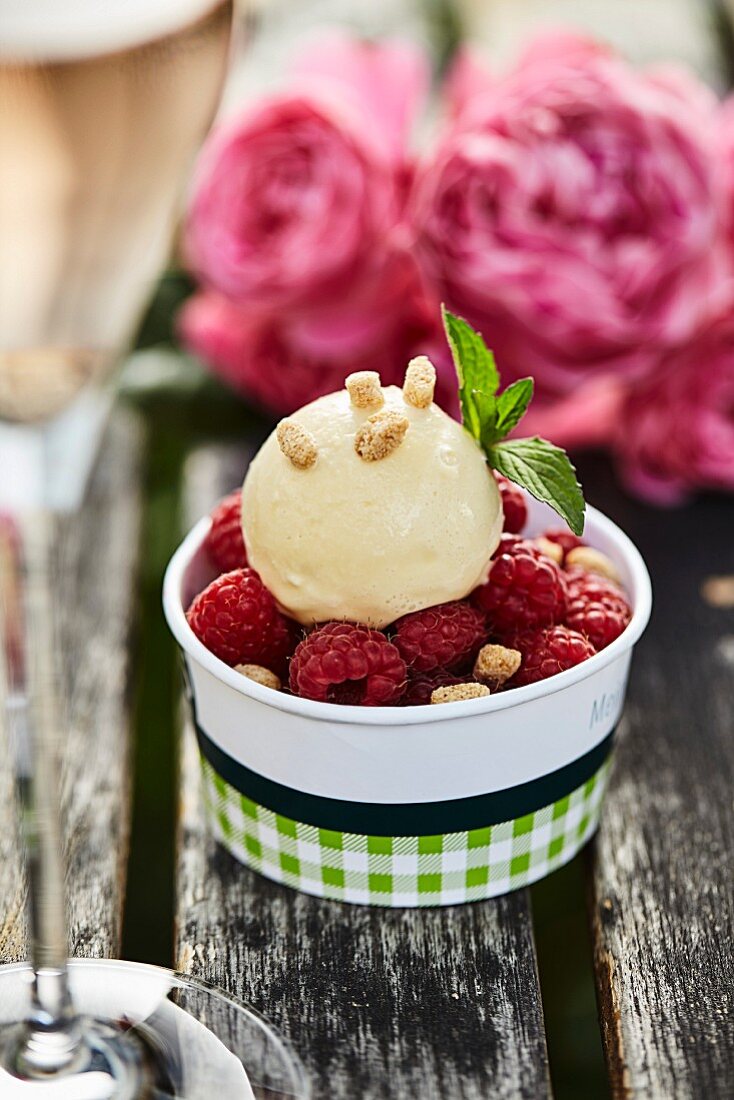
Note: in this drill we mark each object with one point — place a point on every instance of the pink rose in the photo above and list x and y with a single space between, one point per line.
467 80
725 161
572 214
287 203
253 355
294 198
587 417
676 430
562 46
286 361
386 83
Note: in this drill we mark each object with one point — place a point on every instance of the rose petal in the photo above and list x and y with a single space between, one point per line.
573 213
386 81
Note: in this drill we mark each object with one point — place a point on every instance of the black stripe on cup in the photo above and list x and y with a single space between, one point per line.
406 819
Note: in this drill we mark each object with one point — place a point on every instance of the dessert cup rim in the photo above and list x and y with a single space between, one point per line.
392 716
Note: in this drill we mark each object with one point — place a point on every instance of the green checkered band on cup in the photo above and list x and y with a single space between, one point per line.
445 869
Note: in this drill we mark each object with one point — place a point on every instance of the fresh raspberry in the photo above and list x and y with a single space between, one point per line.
514 505
421 686
564 538
346 663
548 651
224 541
283 639
525 590
440 637
581 582
596 607
237 620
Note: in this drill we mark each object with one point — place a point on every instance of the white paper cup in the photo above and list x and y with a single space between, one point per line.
394 806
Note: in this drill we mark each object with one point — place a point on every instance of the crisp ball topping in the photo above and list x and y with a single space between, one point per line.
420 382
495 664
297 444
380 435
260 675
458 693
552 550
592 561
364 389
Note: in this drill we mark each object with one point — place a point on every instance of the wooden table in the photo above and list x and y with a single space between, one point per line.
434 1003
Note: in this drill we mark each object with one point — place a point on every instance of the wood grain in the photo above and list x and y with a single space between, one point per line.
12 887
662 885
95 568
379 1003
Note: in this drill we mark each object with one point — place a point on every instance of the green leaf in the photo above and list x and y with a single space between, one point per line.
512 405
475 369
538 466
547 474
486 408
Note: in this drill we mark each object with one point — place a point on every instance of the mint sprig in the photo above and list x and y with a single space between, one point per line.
475 367
537 465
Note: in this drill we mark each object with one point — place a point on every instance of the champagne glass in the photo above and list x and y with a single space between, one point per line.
102 107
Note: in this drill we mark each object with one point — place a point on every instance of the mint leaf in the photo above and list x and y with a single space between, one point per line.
475 369
486 409
512 405
538 466
546 472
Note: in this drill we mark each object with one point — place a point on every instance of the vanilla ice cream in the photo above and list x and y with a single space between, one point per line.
342 527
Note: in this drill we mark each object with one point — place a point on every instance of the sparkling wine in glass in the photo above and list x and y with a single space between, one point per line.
102 108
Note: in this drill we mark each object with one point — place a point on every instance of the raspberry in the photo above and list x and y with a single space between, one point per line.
346 663
514 505
582 583
237 620
281 642
224 541
565 539
596 607
525 589
421 686
440 637
548 651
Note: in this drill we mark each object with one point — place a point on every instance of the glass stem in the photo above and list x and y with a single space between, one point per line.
51 1039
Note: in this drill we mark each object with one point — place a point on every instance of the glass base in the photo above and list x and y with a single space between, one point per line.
148 1034
48 465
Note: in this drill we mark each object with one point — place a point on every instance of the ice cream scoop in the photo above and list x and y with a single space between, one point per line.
370 503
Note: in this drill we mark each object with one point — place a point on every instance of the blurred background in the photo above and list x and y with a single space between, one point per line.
561 172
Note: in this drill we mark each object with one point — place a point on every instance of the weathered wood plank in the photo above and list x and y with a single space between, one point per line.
379 1003
662 888
95 566
12 889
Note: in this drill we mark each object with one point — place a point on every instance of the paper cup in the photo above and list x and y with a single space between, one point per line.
414 806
